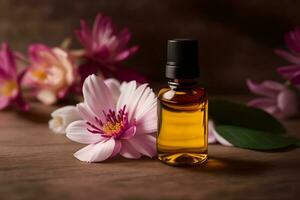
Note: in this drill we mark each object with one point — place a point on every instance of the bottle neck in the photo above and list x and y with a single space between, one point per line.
182 83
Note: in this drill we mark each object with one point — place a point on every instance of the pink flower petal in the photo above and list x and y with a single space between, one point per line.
4 102
147 105
289 72
266 88
84 36
288 103
218 137
145 144
96 152
47 97
211 136
77 131
86 113
114 87
124 37
8 63
296 79
292 40
96 95
288 56
132 98
35 50
129 151
263 102
117 149
148 124
267 104
129 133
126 53
126 95
140 101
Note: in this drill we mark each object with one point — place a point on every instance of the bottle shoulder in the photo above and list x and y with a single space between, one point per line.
183 95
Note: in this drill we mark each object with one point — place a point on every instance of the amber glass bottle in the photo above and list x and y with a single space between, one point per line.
182 110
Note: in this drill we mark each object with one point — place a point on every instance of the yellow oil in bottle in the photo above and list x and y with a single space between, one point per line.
182 134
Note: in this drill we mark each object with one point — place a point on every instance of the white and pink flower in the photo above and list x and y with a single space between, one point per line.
62 117
116 119
51 72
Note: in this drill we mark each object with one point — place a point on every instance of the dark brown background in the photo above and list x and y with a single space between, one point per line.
236 37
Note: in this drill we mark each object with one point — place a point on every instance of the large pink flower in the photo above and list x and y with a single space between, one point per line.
105 49
277 99
291 72
52 72
10 81
117 119
103 42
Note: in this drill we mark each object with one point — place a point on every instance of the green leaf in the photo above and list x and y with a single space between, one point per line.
229 113
253 139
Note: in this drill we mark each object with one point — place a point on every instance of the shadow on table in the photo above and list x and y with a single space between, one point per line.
213 165
232 166
37 114
119 159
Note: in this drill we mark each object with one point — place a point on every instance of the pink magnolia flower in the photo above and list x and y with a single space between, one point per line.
116 119
277 99
105 49
214 136
10 81
292 71
51 74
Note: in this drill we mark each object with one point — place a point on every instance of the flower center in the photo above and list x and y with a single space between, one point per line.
9 88
39 74
114 126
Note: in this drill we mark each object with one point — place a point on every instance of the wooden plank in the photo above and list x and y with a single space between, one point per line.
37 164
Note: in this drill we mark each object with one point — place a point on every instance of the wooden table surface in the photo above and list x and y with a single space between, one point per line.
37 164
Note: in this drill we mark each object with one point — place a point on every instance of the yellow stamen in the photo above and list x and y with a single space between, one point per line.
8 88
112 128
39 74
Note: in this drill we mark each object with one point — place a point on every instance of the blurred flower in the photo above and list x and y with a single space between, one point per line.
103 43
51 74
213 135
105 49
62 117
117 119
10 81
291 72
277 99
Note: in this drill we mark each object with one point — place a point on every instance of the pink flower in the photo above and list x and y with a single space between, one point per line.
291 72
277 99
10 81
116 119
52 72
105 49
103 42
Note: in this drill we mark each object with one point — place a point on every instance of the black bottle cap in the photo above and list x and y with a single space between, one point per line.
182 60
